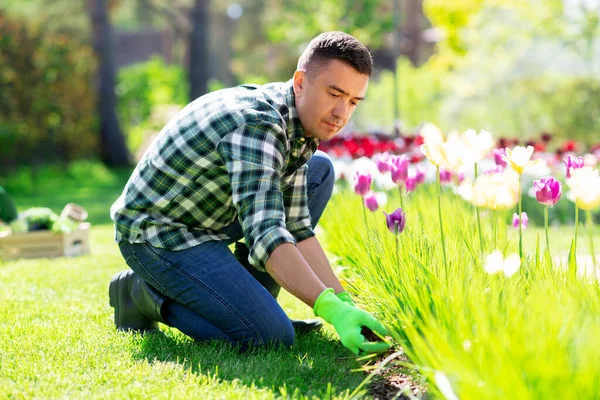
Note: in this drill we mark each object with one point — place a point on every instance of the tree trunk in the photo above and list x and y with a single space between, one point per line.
113 149
198 49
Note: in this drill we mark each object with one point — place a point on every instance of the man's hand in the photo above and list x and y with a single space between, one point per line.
348 321
346 298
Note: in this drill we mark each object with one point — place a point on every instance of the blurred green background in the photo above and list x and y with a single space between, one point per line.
96 80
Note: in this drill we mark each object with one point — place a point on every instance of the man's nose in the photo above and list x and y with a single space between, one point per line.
341 110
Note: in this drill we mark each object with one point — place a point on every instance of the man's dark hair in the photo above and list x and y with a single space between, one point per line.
339 46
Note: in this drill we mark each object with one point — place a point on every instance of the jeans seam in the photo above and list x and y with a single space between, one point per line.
209 290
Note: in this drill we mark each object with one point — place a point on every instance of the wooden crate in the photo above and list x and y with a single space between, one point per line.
42 244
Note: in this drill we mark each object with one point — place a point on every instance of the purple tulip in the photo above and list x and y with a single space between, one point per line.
371 201
399 168
445 176
362 183
524 220
547 190
382 162
499 155
396 221
573 163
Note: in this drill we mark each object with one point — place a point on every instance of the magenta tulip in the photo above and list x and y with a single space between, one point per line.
362 183
396 221
411 183
399 168
445 176
547 190
420 175
573 163
371 201
382 162
524 220
499 155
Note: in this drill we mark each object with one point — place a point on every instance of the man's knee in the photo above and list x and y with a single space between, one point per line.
322 165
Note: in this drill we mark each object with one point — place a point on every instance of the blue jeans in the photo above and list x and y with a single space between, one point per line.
214 295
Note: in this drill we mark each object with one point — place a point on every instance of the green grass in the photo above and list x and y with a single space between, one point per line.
531 336
57 337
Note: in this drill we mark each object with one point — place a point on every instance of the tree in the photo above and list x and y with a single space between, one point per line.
198 49
114 151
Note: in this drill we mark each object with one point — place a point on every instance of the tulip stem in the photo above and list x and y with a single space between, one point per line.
478 220
520 222
401 197
439 198
589 229
365 213
397 243
495 227
576 225
546 226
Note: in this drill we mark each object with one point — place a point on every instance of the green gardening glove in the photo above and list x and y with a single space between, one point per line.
346 298
348 322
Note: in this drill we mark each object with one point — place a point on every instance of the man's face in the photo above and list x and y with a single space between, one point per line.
326 102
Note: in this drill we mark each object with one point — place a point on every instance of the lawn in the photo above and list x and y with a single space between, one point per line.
57 337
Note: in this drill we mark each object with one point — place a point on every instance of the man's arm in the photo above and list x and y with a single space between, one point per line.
314 255
291 271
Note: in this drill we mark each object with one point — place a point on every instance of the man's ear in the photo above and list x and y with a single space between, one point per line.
299 81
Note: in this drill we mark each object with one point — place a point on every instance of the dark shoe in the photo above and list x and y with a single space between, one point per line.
137 305
302 327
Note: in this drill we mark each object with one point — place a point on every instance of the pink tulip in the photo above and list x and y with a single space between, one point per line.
396 221
499 155
399 168
547 190
371 201
382 162
573 163
524 220
362 183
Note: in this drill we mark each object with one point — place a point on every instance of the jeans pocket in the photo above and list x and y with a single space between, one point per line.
136 265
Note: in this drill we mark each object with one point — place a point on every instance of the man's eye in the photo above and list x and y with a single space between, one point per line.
354 104
334 95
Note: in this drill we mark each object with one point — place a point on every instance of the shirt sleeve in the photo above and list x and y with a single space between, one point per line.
295 198
254 156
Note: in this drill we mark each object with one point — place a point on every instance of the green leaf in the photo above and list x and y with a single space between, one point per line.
572 264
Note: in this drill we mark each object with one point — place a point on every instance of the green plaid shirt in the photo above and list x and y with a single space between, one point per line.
237 153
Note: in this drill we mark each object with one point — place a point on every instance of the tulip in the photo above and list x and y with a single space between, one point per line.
547 190
362 183
573 163
495 263
519 158
420 175
399 168
396 222
494 170
411 183
433 145
445 176
585 187
382 162
478 145
524 220
499 155
371 202
585 192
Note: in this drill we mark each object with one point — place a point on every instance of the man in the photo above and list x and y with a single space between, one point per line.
238 164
